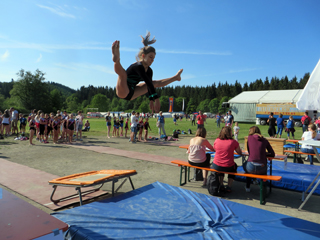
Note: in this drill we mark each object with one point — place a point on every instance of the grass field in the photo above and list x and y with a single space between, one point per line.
98 128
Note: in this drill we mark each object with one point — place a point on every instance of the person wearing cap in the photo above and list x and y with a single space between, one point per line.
134 122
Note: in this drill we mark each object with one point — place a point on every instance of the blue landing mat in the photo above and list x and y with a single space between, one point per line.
295 177
162 211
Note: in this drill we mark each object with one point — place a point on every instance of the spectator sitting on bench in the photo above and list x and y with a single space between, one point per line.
223 161
308 135
197 152
86 126
257 161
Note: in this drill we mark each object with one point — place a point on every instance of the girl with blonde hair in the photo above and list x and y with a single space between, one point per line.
128 85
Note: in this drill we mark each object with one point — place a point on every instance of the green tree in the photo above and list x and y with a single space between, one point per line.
191 106
115 104
31 90
101 102
164 102
223 109
204 106
214 105
72 104
144 106
56 100
2 99
177 106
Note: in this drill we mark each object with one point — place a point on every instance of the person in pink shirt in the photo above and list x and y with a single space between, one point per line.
200 120
197 152
223 161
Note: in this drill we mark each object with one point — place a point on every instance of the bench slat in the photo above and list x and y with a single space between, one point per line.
295 152
264 177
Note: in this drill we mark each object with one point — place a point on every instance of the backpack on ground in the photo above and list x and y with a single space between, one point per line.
198 175
175 134
299 159
189 131
213 184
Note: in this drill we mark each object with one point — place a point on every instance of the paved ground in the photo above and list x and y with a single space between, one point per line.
65 159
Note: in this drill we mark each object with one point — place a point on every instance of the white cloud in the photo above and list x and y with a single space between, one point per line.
5 56
57 10
81 66
96 46
39 58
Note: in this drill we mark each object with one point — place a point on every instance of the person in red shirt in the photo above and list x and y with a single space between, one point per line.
305 120
200 120
223 161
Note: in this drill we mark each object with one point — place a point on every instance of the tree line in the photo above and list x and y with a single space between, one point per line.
31 91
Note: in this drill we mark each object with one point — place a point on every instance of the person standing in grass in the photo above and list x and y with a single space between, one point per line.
70 127
121 126
218 118
56 128
80 125
161 123
140 129
200 119
236 130
23 123
146 128
32 125
272 125
280 124
290 127
114 132
126 127
108 123
134 123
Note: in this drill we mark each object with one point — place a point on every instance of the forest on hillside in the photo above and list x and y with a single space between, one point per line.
32 91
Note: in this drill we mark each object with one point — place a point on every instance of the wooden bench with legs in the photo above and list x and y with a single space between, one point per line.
297 152
185 170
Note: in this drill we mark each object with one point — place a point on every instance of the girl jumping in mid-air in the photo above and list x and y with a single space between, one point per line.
128 86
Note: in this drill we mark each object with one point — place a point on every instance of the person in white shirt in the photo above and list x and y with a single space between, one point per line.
134 122
236 129
14 120
311 134
79 125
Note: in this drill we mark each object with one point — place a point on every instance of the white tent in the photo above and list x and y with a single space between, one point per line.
310 97
244 106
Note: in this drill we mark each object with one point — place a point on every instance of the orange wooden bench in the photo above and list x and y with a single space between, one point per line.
185 169
297 152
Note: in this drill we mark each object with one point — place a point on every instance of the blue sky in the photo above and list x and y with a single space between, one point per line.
213 41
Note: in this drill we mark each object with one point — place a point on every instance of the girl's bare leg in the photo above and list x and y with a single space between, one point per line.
109 127
122 89
145 135
31 137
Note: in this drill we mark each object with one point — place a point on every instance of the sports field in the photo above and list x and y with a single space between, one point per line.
150 160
